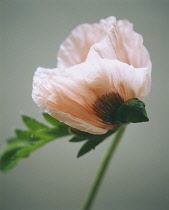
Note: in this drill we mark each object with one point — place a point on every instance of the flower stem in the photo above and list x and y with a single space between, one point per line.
100 174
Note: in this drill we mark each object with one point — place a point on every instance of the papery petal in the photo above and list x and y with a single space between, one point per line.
127 81
56 100
121 43
107 75
69 95
75 48
133 43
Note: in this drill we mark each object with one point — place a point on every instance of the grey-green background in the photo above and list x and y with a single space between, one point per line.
52 178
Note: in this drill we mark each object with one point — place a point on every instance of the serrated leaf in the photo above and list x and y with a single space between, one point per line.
32 124
88 146
12 140
8 158
50 133
22 134
21 148
17 150
93 142
131 111
27 141
77 139
26 151
52 120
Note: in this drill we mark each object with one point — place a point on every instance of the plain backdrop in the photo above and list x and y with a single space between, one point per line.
52 178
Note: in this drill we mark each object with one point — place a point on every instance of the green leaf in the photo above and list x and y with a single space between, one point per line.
8 158
27 141
94 141
77 139
88 146
51 133
21 148
12 140
131 111
26 151
17 150
32 124
22 134
52 120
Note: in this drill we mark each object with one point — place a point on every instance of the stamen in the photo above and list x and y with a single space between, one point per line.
105 106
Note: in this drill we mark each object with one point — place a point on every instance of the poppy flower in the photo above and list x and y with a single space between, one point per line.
99 67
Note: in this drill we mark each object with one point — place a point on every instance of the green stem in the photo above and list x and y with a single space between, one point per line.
100 174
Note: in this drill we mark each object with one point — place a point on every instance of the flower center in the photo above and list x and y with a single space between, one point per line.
105 106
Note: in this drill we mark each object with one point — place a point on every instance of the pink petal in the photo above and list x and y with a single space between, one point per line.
121 43
127 81
133 43
56 100
69 95
75 48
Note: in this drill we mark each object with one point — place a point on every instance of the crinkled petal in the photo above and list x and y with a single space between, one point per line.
121 43
107 75
69 95
127 81
133 43
75 48
56 100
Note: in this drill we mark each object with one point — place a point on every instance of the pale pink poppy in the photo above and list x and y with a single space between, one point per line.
99 67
